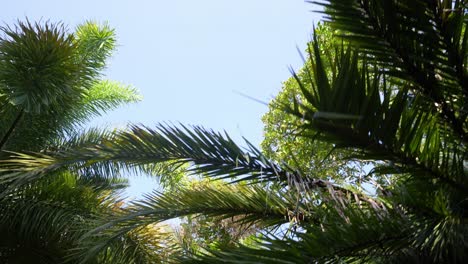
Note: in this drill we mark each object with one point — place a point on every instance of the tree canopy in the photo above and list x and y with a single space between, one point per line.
282 140
390 89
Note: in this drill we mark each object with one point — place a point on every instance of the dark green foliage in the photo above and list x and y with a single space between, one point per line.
39 66
391 90
48 88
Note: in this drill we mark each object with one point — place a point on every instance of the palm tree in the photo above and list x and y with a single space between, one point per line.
49 86
394 92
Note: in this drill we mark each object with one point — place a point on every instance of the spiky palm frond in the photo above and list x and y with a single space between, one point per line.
148 244
350 235
206 152
44 66
95 43
38 65
380 121
210 153
422 42
356 235
249 204
103 96
50 216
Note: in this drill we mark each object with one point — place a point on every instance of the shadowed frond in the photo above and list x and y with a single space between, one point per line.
250 204
382 120
49 217
421 42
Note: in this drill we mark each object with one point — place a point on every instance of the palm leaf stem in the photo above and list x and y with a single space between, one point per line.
411 162
373 146
11 129
348 251
217 158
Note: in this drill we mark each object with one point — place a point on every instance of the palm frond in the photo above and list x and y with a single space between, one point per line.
95 42
250 204
210 153
384 123
148 244
419 42
51 215
352 235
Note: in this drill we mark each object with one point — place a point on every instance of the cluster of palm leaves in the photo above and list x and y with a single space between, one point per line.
50 85
394 91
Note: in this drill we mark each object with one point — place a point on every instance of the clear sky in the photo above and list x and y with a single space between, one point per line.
190 58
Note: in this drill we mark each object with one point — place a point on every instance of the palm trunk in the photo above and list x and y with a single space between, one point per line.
11 129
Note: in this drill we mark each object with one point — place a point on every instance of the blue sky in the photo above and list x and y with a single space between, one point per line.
190 59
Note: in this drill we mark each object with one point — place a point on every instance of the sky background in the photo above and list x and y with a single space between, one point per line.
191 59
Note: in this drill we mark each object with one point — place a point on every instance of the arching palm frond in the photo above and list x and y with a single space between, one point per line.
422 42
391 101
210 153
345 232
351 235
150 244
50 216
206 152
251 205
362 109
